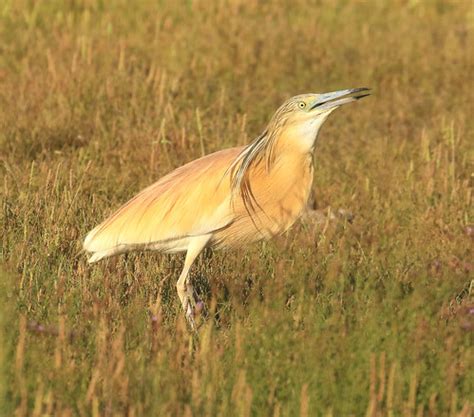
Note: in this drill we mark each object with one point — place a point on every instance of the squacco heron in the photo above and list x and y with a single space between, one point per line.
229 198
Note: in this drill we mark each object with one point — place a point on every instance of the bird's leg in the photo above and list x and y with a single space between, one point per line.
184 285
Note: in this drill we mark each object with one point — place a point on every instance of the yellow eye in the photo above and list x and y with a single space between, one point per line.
301 104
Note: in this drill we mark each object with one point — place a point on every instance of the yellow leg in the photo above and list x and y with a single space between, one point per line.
184 286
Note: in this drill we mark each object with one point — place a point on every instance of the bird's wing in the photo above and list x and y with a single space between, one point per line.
190 201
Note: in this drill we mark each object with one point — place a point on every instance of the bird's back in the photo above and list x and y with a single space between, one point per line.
190 201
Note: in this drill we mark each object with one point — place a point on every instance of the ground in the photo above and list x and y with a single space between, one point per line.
369 317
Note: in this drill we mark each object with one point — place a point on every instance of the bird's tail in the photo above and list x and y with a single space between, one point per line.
92 247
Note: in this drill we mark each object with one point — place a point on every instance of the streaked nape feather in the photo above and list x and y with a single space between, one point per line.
259 150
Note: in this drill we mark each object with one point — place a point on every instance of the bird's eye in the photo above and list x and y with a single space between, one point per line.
301 104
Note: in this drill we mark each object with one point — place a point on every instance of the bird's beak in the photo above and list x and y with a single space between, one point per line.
338 98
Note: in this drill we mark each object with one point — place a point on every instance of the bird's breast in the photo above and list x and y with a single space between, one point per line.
279 196
288 186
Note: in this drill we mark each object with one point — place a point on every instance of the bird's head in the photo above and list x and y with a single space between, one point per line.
300 117
295 124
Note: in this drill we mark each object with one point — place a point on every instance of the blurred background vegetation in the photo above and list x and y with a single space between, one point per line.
374 317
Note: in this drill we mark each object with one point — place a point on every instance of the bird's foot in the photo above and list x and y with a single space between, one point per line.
189 312
194 308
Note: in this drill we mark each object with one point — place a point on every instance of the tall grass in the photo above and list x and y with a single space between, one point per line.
371 318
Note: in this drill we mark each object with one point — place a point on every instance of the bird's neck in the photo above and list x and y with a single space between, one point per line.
298 139
292 159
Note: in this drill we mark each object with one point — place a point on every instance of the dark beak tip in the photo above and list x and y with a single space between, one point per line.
360 90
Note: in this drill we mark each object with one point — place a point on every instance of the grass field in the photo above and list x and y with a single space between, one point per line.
370 318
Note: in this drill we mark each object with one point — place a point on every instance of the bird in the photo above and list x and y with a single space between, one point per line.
226 199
